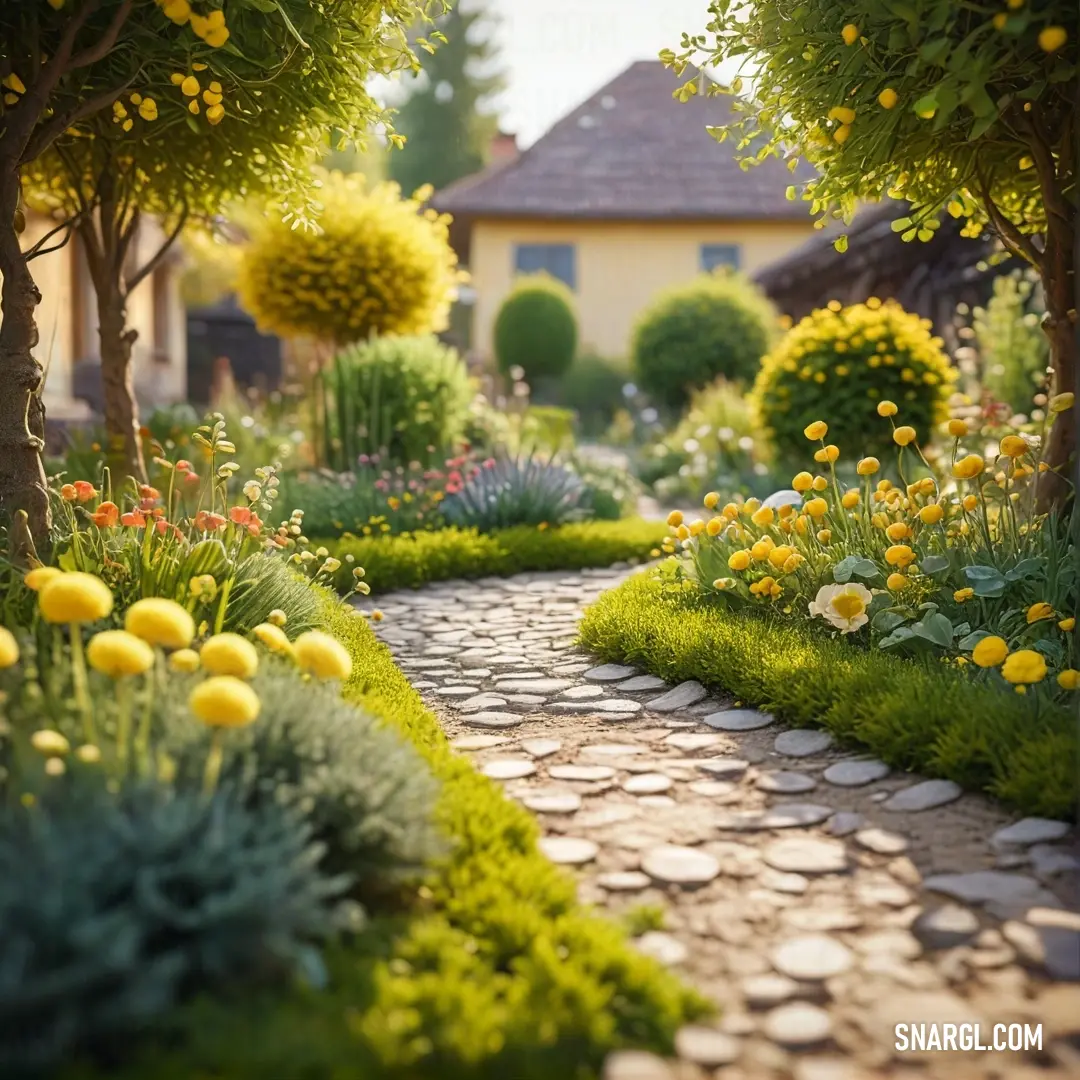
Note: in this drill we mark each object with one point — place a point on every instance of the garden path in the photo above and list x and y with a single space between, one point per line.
817 896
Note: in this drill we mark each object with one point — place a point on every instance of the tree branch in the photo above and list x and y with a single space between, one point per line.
50 74
102 48
36 252
1014 240
130 284
47 133
68 224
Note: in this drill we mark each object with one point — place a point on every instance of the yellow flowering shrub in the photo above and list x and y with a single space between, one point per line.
843 362
378 264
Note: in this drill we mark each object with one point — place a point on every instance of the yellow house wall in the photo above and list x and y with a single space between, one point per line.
621 266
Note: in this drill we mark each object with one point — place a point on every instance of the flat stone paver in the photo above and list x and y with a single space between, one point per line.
816 896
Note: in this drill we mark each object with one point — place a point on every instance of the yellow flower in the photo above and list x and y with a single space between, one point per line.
957 428
1051 38
827 453
1067 624
899 555
1039 611
990 652
820 483
868 466
277 617
117 653
377 615
802 482
711 500
897 530
9 648
88 754
760 550
932 514
230 654
224 701
215 114
824 535
738 560
763 517
273 637
322 655
148 109
675 518
1013 446
683 532
40 576
184 660
715 525
967 468
850 34
75 598
817 508
50 743
779 555
888 98
970 502
1069 679
903 435
1024 666
886 408
697 526
817 430
1060 403
961 595
160 622
190 86
896 582
850 500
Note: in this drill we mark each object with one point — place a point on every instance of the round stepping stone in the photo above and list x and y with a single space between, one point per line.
612 750
738 720
611 814
482 701
806 855
558 802
640 683
581 772
608 673
635 1065
785 783
424 684
1001 890
541 748
881 841
686 740
568 850
603 706
712 789
764 991
893 942
856 773
811 958
526 699
478 742
648 784
1031 830
531 686
719 766
802 743
946 927
705 1046
844 822
569 669
796 1024
624 881
679 697
508 769
819 920
577 692
924 796
657 802
788 816
490 719
457 691
794 884
662 947
676 865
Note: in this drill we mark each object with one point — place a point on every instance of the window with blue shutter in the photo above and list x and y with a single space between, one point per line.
555 259
714 255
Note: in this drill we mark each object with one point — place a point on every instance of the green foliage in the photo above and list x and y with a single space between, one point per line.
1012 348
412 560
445 118
838 363
593 387
718 325
918 715
379 264
117 907
261 585
611 491
536 328
406 399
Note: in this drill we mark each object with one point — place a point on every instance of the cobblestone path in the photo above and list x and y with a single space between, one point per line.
817 896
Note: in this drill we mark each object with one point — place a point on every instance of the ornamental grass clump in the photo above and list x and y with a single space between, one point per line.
841 362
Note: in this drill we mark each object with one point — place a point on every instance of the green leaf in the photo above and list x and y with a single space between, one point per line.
897 637
985 580
900 224
993 491
840 243
843 570
1026 568
969 643
934 564
935 628
934 51
866 568
887 621
789 193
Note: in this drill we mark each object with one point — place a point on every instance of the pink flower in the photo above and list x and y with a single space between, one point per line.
489 463
191 479
183 466
382 485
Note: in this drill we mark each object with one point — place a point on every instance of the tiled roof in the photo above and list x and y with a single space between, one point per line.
632 151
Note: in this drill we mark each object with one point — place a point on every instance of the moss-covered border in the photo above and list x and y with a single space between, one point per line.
922 716
414 559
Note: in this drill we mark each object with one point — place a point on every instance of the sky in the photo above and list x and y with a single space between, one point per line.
557 53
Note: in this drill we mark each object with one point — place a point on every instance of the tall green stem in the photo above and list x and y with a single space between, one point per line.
78 678
213 763
123 723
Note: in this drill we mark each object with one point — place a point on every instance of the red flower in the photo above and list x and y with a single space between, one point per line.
84 491
246 518
191 479
454 477
148 492
68 492
182 466
452 488
106 515
208 522
135 519
163 526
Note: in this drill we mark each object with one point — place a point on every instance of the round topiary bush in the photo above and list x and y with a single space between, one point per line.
407 398
536 328
379 264
838 363
720 325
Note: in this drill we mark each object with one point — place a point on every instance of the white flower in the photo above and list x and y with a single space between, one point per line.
842 605
252 490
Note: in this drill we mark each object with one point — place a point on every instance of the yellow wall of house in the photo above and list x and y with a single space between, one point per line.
621 266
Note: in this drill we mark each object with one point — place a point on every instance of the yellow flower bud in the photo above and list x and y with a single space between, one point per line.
957 428
888 98
967 468
817 508
850 34
990 652
896 582
817 430
932 514
902 436
850 500
886 408
868 466
802 482
739 560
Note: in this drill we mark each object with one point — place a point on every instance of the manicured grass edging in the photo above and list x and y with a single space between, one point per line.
916 715
414 559
497 973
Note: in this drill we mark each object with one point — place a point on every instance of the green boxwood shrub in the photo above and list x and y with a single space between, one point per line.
536 328
592 387
837 364
915 714
413 559
405 398
719 325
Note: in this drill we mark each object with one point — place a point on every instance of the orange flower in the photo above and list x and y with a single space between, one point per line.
67 492
240 515
191 479
163 526
106 516
208 522
182 466
134 519
84 490
148 492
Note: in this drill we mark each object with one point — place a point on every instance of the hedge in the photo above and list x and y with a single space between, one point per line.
414 559
495 972
917 715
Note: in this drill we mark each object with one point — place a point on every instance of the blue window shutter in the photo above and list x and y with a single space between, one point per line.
558 260
714 255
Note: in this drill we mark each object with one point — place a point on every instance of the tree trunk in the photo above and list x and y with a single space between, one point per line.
22 414
118 385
